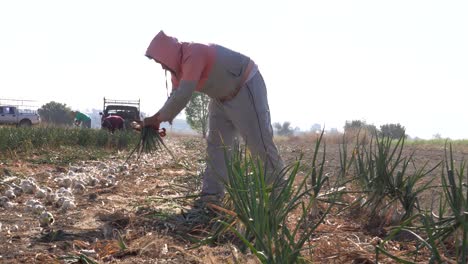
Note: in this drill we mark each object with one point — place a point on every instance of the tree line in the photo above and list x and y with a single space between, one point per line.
196 113
393 131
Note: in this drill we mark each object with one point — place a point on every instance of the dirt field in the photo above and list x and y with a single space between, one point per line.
143 212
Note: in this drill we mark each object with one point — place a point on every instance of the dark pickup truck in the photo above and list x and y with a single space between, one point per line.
129 110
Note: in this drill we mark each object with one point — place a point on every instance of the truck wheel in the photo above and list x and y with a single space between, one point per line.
25 123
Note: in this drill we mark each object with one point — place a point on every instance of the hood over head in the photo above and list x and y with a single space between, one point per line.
165 50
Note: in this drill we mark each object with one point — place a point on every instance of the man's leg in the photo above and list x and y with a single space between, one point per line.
250 114
220 135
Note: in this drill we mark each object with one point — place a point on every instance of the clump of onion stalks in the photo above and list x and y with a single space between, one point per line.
150 142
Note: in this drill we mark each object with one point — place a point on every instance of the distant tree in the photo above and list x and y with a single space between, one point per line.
437 136
359 125
394 131
284 129
197 112
56 113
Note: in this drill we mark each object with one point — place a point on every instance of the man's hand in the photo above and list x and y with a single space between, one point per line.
153 121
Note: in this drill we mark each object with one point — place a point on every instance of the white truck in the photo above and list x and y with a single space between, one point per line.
11 115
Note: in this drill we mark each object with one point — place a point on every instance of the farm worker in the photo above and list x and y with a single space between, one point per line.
81 119
238 103
113 122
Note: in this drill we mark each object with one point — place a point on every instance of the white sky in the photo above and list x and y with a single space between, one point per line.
323 61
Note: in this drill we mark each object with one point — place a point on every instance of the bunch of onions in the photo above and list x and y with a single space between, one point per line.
150 141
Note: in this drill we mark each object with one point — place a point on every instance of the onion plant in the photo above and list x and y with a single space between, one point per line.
150 141
345 162
383 172
317 176
266 210
449 225
19 139
454 221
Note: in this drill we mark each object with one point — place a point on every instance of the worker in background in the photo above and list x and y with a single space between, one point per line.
81 119
238 105
113 122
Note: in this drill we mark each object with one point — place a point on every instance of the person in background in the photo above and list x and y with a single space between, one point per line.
113 122
238 104
81 119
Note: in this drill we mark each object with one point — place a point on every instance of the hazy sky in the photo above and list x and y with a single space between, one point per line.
323 61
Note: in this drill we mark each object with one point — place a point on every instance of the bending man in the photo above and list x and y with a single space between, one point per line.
238 105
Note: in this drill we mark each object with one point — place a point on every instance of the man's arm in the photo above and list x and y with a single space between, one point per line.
192 67
178 100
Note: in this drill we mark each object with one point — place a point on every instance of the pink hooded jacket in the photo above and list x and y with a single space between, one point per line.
210 69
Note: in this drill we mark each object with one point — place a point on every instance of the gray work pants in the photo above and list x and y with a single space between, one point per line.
247 115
